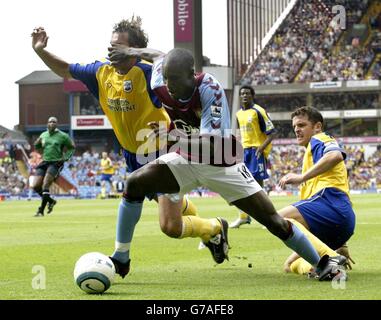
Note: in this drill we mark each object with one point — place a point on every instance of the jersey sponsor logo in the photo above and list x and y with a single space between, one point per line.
188 129
120 105
127 86
216 111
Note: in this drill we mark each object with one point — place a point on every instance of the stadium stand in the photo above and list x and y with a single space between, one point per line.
82 171
315 48
364 172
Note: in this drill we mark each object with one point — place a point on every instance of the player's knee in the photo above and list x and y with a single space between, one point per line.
135 186
170 228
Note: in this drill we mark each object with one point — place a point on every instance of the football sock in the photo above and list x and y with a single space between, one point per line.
45 199
188 208
299 243
301 266
319 245
198 227
128 216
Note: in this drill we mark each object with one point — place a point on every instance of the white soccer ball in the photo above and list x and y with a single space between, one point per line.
94 272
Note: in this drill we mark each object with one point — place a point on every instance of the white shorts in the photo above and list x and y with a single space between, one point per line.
232 183
32 179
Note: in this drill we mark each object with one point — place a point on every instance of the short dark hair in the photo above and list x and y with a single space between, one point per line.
312 113
137 38
249 88
181 57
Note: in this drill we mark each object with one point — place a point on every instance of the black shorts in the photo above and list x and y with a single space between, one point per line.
54 168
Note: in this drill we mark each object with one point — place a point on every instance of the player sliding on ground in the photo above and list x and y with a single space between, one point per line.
325 208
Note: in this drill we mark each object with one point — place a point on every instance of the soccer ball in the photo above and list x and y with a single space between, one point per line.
94 272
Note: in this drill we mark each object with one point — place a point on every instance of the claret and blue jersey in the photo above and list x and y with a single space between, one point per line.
206 112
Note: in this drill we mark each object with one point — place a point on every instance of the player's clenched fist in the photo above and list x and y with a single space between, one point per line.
39 39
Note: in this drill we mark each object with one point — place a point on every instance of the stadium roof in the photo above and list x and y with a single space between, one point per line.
40 77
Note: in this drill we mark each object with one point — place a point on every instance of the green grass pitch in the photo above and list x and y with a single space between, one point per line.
170 269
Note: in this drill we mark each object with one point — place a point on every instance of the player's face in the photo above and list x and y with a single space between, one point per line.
180 83
247 99
304 129
52 124
121 38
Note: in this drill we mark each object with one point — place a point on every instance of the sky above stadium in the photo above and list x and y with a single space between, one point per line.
80 31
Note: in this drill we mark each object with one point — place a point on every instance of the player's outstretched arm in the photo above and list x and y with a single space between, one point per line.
118 53
39 44
327 162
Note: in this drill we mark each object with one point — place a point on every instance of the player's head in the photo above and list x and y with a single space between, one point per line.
104 155
129 32
178 73
246 95
52 123
306 121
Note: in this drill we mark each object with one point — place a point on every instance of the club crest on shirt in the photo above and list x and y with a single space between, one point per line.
127 86
216 111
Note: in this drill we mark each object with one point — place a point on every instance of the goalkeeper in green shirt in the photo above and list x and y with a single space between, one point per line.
56 147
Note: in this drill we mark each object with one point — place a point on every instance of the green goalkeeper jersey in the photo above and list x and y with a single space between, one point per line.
53 145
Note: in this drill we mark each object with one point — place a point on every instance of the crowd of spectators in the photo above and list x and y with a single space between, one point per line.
11 180
364 173
302 50
306 29
350 63
375 70
346 101
84 171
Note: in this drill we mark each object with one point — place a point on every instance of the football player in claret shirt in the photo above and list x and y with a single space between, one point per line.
325 207
124 93
257 131
199 110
